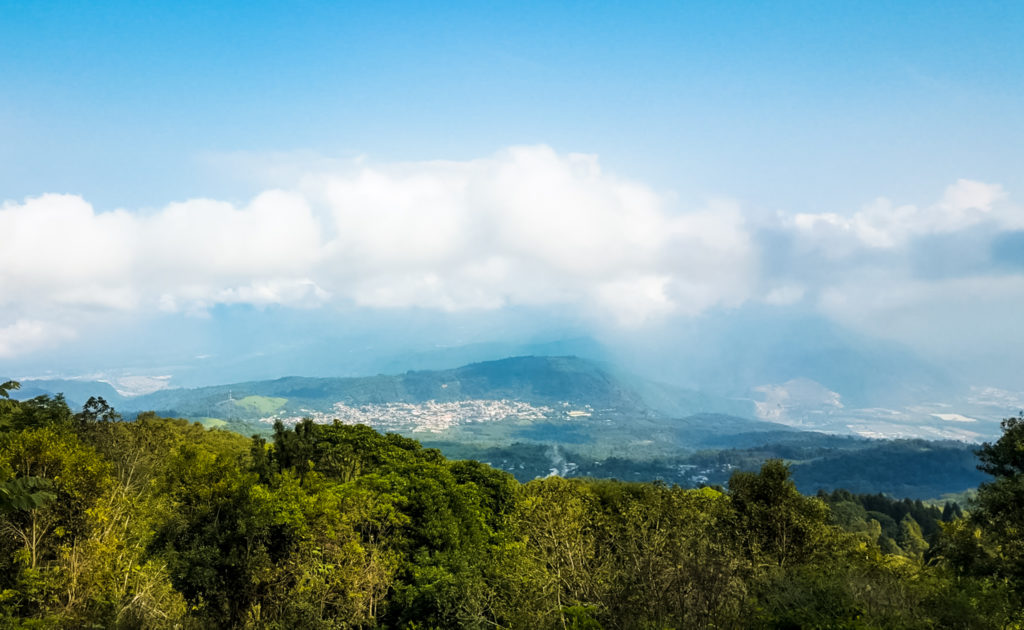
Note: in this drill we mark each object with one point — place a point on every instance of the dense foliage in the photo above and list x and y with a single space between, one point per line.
159 523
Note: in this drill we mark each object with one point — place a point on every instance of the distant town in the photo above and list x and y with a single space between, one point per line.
431 416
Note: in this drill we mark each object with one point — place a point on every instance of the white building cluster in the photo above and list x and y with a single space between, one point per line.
430 416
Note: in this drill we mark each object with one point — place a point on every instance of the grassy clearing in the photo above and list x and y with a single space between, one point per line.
260 405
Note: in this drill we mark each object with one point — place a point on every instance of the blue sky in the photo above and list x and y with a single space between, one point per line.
804 104
602 167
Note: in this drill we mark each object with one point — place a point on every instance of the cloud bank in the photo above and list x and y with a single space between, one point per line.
525 227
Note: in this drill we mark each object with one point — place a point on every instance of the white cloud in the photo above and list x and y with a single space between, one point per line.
784 295
527 226
954 417
883 224
524 227
27 335
634 301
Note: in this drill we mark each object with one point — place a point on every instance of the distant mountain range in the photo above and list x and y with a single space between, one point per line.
533 379
534 415
863 388
567 394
